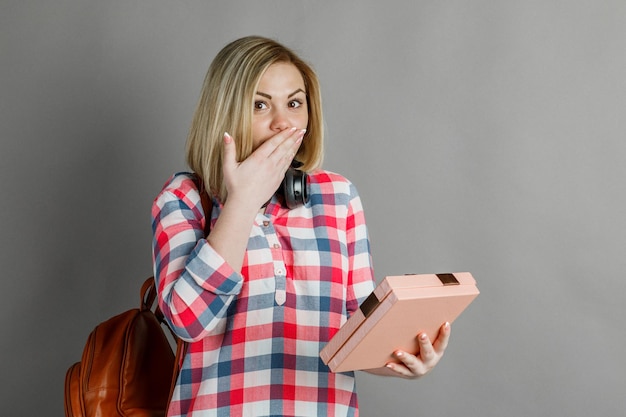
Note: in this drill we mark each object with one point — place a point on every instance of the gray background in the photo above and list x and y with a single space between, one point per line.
484 136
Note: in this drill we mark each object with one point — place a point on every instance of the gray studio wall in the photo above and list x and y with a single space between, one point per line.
485 136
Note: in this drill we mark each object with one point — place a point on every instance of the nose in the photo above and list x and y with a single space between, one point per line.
280 121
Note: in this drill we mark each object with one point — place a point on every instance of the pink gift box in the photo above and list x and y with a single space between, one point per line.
394 314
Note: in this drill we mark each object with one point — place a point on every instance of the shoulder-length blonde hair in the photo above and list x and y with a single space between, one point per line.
226 105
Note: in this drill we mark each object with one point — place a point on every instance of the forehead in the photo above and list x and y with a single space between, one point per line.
281 76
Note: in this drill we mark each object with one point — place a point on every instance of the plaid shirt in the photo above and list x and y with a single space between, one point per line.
255 336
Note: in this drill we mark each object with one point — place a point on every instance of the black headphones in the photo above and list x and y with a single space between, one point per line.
295 186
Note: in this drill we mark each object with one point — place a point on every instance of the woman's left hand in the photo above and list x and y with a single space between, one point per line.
416 365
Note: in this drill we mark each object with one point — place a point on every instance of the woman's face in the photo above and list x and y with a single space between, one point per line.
279 102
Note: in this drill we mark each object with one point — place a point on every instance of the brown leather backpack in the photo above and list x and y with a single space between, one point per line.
128 368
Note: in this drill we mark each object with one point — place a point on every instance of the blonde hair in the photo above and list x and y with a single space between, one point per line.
226 105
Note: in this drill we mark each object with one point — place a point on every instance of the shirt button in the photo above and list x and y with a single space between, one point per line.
280 297
266 223
276 246
280 272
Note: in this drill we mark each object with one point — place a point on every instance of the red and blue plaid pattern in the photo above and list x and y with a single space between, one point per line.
255 336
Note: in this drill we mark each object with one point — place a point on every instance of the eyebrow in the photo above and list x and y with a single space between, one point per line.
299 90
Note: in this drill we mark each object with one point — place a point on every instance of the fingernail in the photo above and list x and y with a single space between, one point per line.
301 134
399 354
227 137
423 337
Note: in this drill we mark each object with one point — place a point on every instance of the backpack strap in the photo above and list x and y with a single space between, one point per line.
148 296
207 206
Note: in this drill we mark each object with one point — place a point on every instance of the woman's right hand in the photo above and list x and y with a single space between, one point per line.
250 184
253 181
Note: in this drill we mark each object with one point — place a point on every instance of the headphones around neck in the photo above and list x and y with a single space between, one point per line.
295 186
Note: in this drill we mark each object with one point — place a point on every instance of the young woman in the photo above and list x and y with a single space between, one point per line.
261 295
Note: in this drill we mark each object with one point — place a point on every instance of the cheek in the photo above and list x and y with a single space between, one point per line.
304 121
259 132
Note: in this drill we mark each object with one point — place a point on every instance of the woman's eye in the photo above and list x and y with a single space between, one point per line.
294 104
260 105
